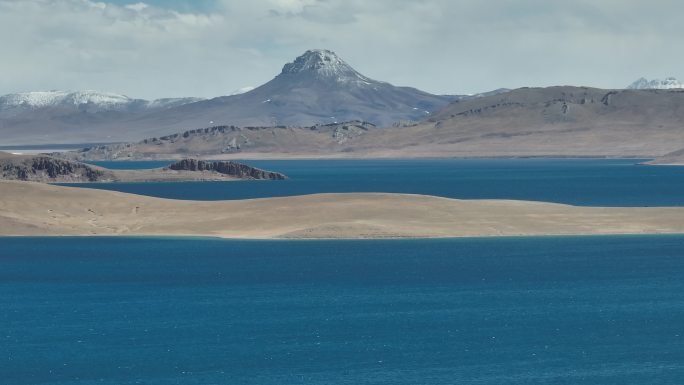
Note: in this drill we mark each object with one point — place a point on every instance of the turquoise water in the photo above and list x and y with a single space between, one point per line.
591 182
571 310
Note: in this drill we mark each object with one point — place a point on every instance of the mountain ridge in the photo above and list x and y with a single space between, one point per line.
559 121
103 100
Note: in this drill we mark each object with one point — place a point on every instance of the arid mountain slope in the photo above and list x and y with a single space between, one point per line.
231 141
554 121
572 121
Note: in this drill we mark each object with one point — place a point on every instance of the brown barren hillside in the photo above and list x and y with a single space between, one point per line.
554 121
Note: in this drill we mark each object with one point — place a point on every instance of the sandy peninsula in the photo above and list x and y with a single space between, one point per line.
28 208
675 158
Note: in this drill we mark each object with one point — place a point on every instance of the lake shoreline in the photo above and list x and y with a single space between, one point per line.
355 156
308 240
47 210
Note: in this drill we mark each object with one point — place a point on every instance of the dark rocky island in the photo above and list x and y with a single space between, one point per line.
235 169
44 168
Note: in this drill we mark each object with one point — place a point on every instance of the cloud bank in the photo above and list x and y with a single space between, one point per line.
174 48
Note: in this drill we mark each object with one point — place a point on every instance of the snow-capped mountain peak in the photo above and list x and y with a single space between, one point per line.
656 84
326 65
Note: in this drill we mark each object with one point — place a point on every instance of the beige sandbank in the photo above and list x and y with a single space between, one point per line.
28 208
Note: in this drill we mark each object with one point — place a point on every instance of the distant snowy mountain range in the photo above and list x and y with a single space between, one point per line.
655 84
92 101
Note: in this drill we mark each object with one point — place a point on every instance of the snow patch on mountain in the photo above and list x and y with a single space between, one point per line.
99 100
38 99
32 99
656 84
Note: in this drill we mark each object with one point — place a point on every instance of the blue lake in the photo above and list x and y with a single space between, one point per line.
591 182
545 310
570 310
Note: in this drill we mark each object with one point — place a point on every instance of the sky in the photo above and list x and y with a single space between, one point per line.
206 48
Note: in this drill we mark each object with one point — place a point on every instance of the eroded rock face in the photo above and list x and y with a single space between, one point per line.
235 169
48 169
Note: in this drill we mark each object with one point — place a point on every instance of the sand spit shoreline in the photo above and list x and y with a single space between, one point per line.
36 209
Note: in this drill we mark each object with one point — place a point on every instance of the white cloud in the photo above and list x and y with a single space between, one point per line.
137 6
441 46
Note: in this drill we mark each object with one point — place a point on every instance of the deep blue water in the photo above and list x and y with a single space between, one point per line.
550 310
591 182
570 310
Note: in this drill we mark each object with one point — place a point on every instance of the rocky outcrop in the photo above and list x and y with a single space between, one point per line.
344 132
43 168
235 169
49 169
